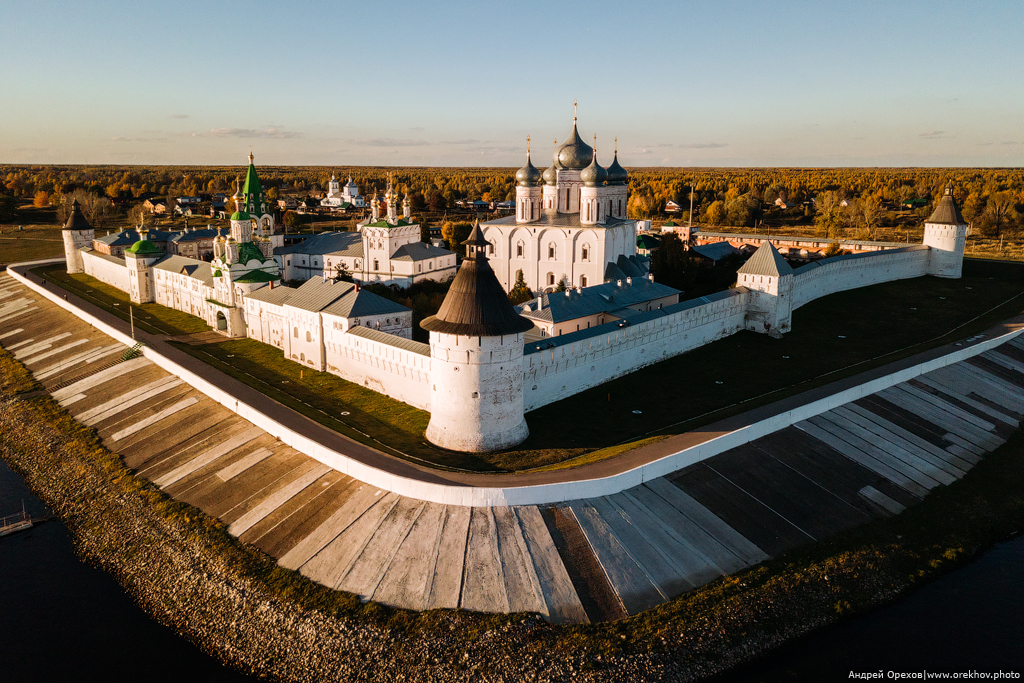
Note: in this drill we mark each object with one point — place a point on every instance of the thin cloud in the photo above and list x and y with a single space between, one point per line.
388 142
121 138
248 133
1011 142
461 142
179 116
417 129
704 145
933 135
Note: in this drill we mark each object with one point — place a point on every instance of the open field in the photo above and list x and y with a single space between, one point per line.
832 338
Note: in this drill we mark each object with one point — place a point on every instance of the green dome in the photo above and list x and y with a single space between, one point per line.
239 216
594 174
145 247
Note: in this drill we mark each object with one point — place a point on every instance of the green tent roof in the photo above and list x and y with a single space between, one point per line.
239 216
247 251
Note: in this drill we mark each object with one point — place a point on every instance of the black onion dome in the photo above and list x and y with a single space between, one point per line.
616 174
476 304
594 174
528 175
574 154
77 221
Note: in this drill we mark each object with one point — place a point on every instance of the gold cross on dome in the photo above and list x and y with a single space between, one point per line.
574 110
527 145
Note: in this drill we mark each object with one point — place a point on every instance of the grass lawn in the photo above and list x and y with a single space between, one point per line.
32 243
151 318
834 337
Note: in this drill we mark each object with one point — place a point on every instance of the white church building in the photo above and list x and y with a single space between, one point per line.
346 197
569 224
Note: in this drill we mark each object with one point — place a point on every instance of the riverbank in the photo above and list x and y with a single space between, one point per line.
184 568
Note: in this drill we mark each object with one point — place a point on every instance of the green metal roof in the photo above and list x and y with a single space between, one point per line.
239 216
258 276
247 251
144 247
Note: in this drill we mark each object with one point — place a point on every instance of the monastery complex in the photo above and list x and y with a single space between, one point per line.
479 375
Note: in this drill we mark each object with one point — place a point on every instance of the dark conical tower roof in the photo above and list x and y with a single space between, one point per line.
476 304
947 212
77 221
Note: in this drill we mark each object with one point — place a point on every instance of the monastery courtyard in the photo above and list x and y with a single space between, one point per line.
585 560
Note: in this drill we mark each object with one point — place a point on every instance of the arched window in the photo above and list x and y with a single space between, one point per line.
309 337
551 279
583 280
296 333
551 250
490 248
376 264
585 253
520 248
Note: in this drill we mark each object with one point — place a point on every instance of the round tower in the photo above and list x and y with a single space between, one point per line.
78 235
529 191
476 367
945 232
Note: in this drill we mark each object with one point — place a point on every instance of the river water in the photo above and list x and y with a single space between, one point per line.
61 619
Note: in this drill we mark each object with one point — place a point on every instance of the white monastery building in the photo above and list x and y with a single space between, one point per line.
339 197
480 375
386 249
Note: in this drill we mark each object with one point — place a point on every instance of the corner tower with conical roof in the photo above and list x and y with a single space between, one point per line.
476 367
78 235
945 232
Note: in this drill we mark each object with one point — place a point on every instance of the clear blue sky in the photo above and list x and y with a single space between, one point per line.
727 83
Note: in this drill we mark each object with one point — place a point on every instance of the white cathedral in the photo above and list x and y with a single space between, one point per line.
570 223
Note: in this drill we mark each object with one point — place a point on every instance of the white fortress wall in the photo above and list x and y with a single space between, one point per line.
385 363
850 271
108 269
585 359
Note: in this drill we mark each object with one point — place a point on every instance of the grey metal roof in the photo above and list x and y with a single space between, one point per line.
551 219
105 257
606 298
716 251
391 340
418 251
947 212
194 235
766 261
317 293
357 303
272 295
194 268
642 317
130 237
342 243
